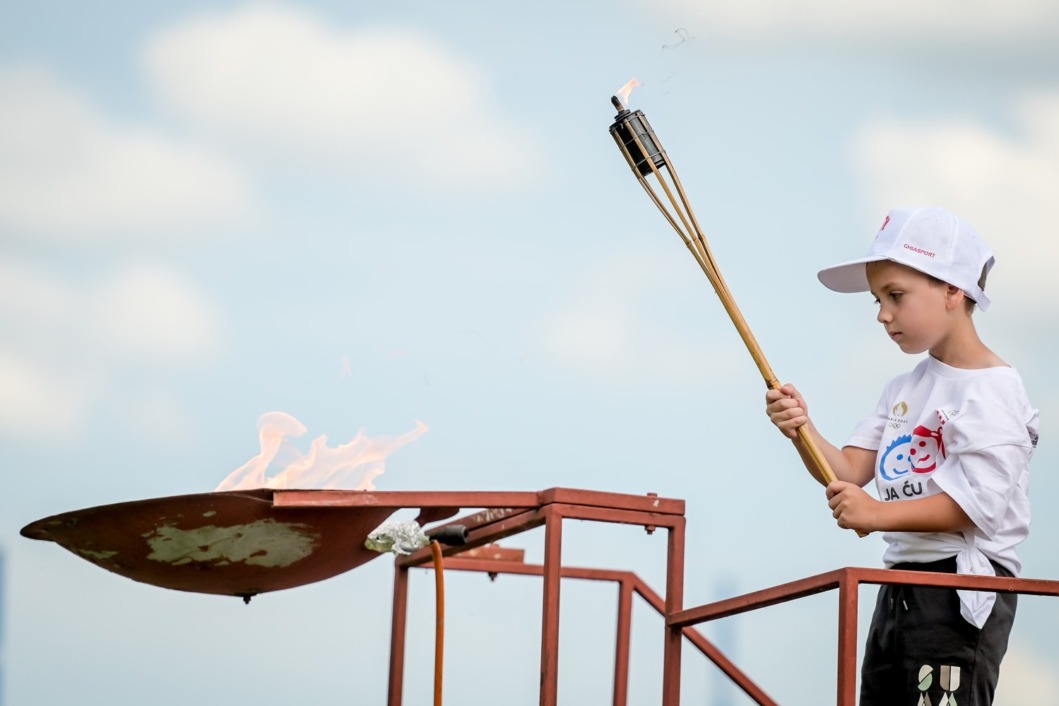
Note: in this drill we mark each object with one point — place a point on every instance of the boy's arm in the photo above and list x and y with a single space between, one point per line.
855 509
788 411
850 464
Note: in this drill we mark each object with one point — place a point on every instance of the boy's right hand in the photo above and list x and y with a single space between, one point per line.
786 409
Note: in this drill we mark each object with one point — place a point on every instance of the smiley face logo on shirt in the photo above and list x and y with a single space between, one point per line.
926 449
896 461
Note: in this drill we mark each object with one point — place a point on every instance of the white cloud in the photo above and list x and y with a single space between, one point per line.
1004 185
67 170
1027 680
377 100
151 313
35 402
608 328
156 416
29 297
892 24
62 339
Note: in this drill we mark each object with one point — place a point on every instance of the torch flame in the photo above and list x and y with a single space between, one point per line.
351 466
623 92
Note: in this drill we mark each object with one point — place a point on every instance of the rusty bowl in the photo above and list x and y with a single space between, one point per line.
234 543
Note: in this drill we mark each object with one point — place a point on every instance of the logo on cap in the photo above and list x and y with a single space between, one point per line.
914 249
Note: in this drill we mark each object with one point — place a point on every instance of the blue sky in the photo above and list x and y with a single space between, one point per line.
366 215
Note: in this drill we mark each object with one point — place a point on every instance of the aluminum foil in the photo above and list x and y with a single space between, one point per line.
401 538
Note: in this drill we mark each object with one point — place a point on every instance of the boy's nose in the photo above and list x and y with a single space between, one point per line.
883 316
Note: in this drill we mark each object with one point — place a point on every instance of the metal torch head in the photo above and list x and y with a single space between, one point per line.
636 139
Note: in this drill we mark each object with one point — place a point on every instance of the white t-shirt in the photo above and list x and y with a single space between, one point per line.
970 434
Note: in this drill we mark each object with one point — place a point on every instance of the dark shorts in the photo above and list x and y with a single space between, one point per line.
919 644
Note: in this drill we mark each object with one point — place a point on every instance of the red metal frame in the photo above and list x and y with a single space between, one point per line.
338 522
629 585
559 504
555 506
848 581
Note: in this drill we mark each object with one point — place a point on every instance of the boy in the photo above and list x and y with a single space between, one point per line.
949 447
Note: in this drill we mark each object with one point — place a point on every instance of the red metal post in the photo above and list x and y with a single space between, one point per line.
674 603
621 650
636 586
708 649
553 537
397 635
848 594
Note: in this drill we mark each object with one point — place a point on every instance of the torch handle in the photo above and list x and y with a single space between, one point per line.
696 242
807 441
811 447
644 154
818 458
730 306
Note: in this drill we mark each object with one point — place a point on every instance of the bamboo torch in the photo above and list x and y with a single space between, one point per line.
644 153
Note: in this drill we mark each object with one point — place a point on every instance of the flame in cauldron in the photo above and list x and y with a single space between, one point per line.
351 466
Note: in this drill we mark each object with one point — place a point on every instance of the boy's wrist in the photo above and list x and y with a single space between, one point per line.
879 517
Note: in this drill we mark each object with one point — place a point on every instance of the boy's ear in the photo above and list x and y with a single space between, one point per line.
954 296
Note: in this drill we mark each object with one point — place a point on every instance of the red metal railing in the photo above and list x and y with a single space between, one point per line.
555 505
848 582
629 585
338 521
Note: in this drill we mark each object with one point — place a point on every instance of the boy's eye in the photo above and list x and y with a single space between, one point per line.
895 295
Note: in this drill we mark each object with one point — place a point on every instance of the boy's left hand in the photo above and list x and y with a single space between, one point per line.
852 507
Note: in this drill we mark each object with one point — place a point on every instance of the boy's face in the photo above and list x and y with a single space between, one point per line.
912 306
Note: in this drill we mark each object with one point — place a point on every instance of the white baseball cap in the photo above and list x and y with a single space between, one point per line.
931 240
